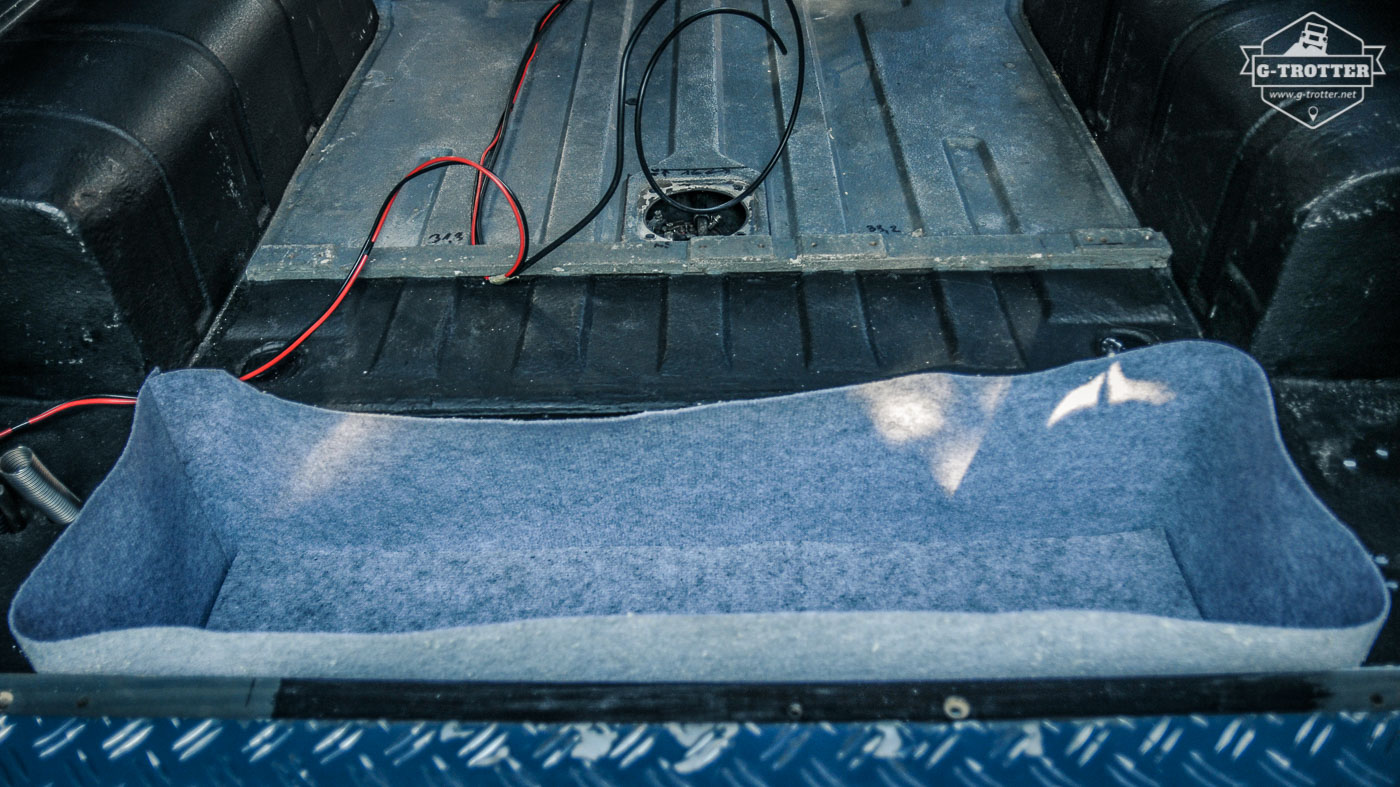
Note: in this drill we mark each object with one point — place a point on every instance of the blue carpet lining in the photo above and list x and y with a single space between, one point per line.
1135 513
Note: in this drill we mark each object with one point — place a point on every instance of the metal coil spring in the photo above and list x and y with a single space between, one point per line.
32 481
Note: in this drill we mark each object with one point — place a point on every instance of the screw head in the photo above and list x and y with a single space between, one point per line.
956 708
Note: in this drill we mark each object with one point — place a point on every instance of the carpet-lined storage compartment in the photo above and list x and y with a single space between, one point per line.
1131 515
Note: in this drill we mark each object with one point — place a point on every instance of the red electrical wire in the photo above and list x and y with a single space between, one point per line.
315 326
52 411
374 237
531 58
501 127
350 280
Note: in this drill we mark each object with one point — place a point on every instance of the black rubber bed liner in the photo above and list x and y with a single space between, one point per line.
995 170
969 227
974 228
1029 257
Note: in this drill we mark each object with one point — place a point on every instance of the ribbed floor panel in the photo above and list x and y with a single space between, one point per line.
932 135
622 343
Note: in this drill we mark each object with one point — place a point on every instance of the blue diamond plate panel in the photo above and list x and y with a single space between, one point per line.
1321 749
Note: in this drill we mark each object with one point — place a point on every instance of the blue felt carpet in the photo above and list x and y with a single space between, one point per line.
1133 514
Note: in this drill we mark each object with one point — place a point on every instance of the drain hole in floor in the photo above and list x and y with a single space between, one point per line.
675 224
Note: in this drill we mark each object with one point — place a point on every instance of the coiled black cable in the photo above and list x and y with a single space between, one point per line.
621 147
787 132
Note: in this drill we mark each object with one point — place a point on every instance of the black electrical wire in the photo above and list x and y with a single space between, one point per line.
642 95
620 149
